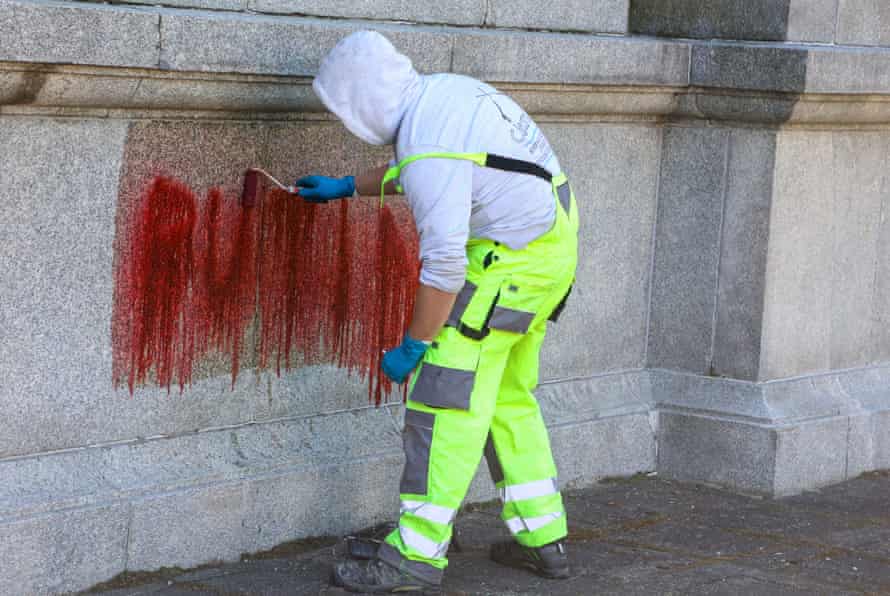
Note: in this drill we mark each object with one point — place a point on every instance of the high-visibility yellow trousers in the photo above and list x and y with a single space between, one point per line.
473 394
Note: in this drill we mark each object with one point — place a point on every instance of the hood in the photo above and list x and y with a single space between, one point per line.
369 85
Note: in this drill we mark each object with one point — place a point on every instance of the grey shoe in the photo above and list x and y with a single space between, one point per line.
548 561
376 576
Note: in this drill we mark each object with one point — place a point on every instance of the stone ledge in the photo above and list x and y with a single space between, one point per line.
610 16
66 90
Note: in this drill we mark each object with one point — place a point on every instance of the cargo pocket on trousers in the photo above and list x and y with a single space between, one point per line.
417 438
515 308
448 373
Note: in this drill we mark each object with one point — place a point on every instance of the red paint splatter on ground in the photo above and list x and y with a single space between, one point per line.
325 284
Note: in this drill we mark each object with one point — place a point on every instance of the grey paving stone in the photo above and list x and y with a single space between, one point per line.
61 32
537 58
613 170
863 22
687 248
460 12
281 46
606 16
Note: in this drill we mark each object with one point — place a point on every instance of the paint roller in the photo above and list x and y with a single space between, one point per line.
252 180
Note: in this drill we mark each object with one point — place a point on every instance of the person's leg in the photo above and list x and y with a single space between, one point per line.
518 449
443 445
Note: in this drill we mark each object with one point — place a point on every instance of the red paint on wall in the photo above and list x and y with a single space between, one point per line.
325 284
152 320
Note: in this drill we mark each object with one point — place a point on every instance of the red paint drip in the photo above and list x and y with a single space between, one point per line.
152 321
332 284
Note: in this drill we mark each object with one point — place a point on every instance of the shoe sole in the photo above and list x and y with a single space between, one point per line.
418 589
559 573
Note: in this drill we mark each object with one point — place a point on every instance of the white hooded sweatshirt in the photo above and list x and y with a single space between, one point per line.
380 98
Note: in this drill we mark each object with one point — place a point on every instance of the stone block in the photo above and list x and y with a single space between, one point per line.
60 180
762 20
459 12
687 248
328 500
604 16
62 32
190 527
863 22
810 454
63 552
771 68
613 170
860 165
236 5
847 70
749 186
811 20
541 58
228 42
797 304
731 453
624 446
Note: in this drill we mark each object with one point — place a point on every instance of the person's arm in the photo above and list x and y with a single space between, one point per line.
321 189
431 309
368 183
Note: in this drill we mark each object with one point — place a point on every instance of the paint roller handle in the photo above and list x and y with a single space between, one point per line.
321 189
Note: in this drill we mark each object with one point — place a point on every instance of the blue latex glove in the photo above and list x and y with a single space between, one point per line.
398 363
321 189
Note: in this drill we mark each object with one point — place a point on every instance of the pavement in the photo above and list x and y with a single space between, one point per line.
640 535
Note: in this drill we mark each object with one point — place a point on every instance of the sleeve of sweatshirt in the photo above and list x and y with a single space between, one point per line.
439 192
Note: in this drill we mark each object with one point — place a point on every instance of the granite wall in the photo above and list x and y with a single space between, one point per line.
729 324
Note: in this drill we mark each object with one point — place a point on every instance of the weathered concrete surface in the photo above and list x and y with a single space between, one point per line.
635 536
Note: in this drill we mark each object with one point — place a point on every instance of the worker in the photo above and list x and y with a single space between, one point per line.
497 223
